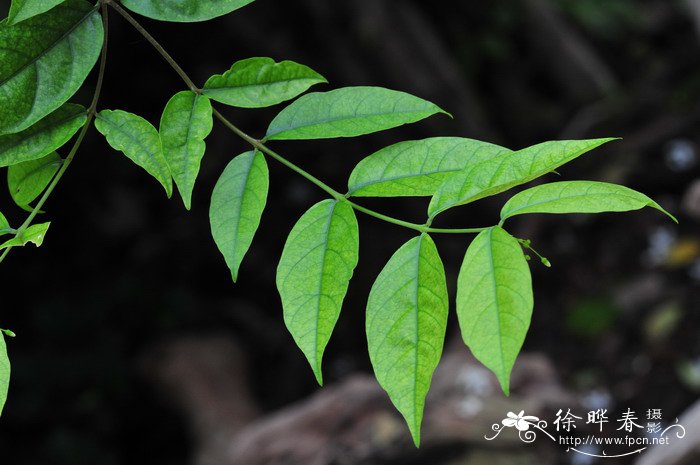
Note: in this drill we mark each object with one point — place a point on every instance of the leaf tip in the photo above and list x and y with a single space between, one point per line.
318 373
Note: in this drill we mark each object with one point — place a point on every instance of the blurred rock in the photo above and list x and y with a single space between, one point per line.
691 200
680 451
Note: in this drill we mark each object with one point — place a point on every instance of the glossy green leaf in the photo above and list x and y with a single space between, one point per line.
313 275
184 11
44 60
138 140
4 225
28 180
260 82
237 204
577 197
348 112
4 372
186 122
494 301
43 137
25 9
406 323
499 174
34 234
417 168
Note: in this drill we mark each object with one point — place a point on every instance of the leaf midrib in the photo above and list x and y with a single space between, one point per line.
51 47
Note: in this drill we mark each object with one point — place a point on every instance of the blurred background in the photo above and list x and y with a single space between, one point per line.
134 346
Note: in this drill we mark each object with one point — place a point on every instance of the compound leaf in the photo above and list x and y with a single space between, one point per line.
44 60
25 9
577 197
499 174
406 323
260 82
237 204
184 11
28 180
494 301
43 137
348 112
417 168
34 234
186 122
313 275
138 140
4 371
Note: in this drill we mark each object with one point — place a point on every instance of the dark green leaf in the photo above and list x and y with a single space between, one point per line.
138 140
28 180
260 82
4 226
406 323
348 112
577 197
417 168
494 301
184 11
44 60
43 137
186 122
25 9
237 204
499 174
313 275
34 234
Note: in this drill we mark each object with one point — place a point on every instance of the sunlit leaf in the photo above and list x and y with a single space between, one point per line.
237 204
4 371
348 112
499 174
138 140
317 263
43 137
184 11
417 168
44 60
406 323
494 301
28 180
260 82
186 122
577 197
33 234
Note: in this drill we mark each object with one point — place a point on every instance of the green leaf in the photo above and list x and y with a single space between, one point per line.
237 204
494 301
25 9
29 179
184 11
4 226
313 275
34 234
348 112
417 168
4 371
44 60
577 197
499 174
43 137
260 82
138 140
186 122
406 323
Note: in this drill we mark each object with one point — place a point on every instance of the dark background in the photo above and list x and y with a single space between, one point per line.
125 272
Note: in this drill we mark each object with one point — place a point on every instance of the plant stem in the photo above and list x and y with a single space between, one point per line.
259 145
69 158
